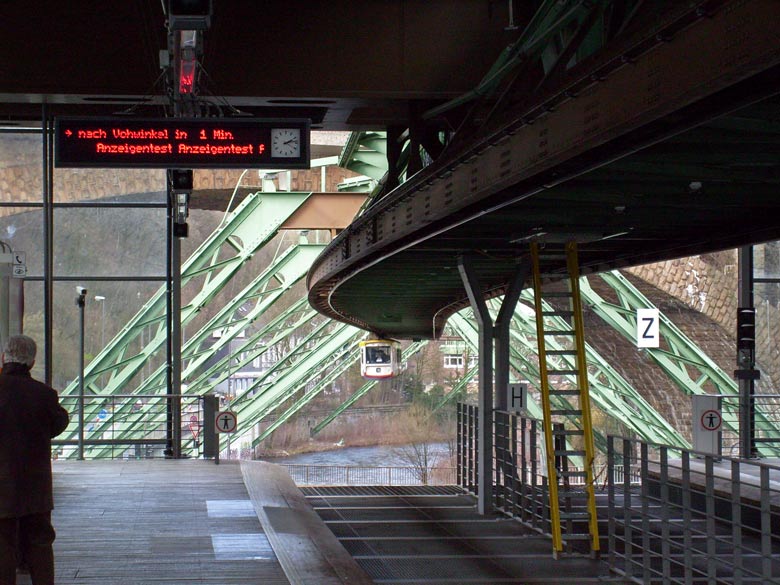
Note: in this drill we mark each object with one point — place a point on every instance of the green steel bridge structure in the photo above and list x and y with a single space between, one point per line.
270 321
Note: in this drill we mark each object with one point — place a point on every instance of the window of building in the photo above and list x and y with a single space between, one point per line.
453 361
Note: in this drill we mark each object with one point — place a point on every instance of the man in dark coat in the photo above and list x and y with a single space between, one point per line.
30 415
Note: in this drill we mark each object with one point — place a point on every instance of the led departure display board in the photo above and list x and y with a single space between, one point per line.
184 143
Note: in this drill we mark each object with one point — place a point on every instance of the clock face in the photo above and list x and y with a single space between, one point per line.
285 142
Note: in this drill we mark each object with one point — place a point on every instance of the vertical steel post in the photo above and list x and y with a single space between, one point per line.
766 526
666 567
48 244
611 500
736 521
176 341
173 322
485 415
81 301
687 524
710 522
747 444
394 149
168 315
459 446
627 515
501 332
174 332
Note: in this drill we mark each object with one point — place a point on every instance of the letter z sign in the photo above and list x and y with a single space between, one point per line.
647 334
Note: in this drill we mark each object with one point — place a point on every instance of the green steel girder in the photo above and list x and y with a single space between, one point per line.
254 346
365 153
277 386
546 39
281 327
608 389
286 270
363 390
683 356
683 352
342 361
254 222
302 348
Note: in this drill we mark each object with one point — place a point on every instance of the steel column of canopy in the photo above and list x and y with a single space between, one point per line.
683 362
254 222
229 322
363 390
254 346
486 392
309 360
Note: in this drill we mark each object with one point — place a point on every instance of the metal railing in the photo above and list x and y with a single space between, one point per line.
766 429
519 479
694 518
129 426
467 448
345 475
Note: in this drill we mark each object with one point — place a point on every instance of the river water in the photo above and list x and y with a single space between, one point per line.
377 456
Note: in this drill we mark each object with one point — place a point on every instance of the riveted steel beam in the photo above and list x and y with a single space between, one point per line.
635 93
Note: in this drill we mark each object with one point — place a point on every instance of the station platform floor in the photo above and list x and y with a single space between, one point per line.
191 521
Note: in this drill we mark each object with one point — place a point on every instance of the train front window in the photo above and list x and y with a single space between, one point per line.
377 355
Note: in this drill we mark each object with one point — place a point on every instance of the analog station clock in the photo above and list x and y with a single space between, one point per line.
285 142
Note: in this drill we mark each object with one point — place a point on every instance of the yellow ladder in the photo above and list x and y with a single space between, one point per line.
568 428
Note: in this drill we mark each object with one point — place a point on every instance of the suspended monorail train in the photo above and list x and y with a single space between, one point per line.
380 358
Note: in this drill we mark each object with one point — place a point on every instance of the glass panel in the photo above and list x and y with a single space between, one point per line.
22 229
21 168
767 303
125 185
32 324
109 306
109 242
766 260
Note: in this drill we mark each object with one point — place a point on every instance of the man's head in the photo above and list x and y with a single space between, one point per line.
20 349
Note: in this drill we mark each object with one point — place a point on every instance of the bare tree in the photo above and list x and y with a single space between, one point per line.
421 432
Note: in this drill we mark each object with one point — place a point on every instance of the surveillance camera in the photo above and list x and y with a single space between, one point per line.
81 290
